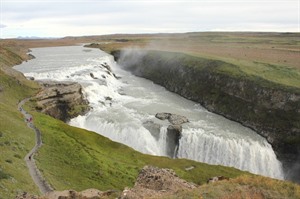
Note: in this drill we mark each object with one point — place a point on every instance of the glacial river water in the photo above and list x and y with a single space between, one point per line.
123 109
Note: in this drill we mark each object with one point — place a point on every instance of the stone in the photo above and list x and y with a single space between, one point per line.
108 98
216 179
173 118
92 75
177 119
162 116
155 182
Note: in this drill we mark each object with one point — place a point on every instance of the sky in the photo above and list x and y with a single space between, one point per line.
59 18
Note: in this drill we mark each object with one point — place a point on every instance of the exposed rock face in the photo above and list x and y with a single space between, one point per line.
173 131
270 109
154 182
173 118
173 137
61 100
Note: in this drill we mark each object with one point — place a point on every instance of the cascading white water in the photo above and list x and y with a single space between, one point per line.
248 155
123 110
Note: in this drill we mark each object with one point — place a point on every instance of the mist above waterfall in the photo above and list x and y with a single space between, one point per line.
124 111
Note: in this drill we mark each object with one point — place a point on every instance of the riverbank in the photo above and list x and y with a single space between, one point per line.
83 159
272 110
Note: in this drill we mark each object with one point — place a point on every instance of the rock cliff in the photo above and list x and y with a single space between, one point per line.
61 100
270 109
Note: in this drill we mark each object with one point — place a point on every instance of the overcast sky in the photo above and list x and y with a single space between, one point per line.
57 18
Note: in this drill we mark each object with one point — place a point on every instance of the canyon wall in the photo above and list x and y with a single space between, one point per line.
271 109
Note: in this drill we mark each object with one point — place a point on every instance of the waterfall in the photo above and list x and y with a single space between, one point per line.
253 156
123 110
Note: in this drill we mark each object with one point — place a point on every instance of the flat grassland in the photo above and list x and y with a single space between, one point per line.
271 56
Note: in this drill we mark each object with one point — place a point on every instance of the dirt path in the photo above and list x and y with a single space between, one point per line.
29 158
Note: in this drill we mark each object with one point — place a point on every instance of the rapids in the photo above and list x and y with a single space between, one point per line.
123 110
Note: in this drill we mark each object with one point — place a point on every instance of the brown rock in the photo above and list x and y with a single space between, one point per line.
61 100
173 118
156 183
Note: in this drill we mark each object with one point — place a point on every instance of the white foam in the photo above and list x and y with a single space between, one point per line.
207 138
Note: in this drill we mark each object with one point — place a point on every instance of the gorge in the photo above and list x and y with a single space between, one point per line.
123 109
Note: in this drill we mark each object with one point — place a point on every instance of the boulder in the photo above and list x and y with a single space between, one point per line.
177 119
162 116
173 118
216 179
153 182
93 76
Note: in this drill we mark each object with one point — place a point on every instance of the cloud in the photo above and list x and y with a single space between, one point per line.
61 18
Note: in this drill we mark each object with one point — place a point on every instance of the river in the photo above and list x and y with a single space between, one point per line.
123 108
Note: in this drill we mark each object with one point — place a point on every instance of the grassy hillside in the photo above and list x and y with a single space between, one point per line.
244 187
70 158
73 158
15 138
70 154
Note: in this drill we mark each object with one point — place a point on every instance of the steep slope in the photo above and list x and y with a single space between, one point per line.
15 138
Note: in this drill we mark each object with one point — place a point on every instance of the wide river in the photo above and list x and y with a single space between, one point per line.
123 109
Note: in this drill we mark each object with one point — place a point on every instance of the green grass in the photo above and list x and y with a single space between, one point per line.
269 75
16 139
276 74
285 73
243 187
70 158
73 158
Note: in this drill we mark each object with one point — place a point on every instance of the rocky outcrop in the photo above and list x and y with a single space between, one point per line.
173 131
173 118
61 100
172 140
270 109
154 182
